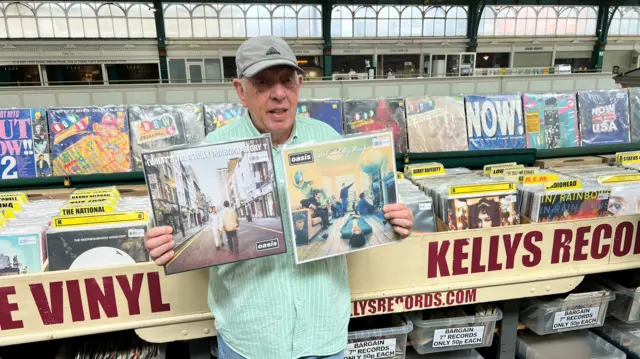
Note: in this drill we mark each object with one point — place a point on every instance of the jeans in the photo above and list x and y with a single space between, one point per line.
224 352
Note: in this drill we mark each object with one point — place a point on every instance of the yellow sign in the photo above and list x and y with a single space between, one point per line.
7 213
427 169
82 210
563 185
500 171
111 218
9 204
99 190
618 179
482 188
92 201
14 197
626 158
100 195
399 175
487 168
538 179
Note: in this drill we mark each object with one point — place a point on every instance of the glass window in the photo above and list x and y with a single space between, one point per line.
487 22
411 21
309 22
212 70
567 22
434 22
21 21
388 22
506 22
205 21
177 71
614 28
526 21
456 23
284 21
141 21
232 22
364 22
547 21
341 22
629 22
82 21
112 22
177 21
52 21
258 21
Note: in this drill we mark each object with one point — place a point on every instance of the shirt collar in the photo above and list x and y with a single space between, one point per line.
254 131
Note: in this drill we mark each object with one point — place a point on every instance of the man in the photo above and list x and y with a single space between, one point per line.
314 204
229 222
215 226
42 166
270 307
344 197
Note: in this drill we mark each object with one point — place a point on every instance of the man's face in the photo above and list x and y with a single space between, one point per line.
214 210
271 96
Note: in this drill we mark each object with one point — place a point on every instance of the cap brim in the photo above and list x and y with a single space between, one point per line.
265 64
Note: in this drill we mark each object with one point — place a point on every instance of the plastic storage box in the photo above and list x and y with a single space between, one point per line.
463 332
577 344
456 354
626 306
625 335
382 336
586 308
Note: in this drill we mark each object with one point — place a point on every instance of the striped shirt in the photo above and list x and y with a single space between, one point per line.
270 307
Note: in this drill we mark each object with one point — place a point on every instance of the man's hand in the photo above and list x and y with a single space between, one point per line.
401 218
159 242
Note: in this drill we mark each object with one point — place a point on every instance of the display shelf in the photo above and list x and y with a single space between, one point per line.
76 181
431 271
469 159
587 151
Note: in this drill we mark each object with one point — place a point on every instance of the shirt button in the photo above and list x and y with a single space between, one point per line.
298 300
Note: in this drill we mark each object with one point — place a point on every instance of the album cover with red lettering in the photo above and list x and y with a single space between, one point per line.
96 246
163 127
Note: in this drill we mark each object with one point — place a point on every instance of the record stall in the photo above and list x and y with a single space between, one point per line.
515 257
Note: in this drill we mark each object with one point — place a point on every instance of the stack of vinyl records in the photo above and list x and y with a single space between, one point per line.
22 224
98 228
221 114
115 345
465 200
421 206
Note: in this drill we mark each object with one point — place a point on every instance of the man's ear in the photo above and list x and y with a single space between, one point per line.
237 84
300 79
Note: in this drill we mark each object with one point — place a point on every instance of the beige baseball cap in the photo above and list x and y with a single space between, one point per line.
261 52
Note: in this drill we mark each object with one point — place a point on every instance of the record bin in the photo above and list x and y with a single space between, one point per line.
626 306
578 344
582 310
456 354
626 336
428 335
381 336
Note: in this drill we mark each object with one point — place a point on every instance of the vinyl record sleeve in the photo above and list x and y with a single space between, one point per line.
604 117
336 191
374 115
218 115
96 246
570 205
482 211
551 120
221 201
634 109
328 111
23 138
162 127
20 253
494 122
88 140
436 124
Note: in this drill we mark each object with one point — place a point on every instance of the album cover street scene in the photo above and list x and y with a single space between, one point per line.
221 201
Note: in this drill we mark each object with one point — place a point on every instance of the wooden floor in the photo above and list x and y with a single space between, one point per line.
335 245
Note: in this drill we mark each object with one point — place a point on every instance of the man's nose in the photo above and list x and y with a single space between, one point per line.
278 92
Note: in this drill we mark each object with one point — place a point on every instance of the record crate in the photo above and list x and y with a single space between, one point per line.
586 307
462 331
578 344
624 335
626 306
383 336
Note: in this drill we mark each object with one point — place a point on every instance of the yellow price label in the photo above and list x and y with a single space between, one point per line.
538 179
7 213
487 168
563 185
427 170
618 179
19 197
110 218
500 171
15 206
482 188
82 210
626 158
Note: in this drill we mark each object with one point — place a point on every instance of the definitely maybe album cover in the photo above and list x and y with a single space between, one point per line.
336 191
221 201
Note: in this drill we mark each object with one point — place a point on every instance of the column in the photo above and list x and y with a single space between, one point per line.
605 15
473 22
161 38
326 37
